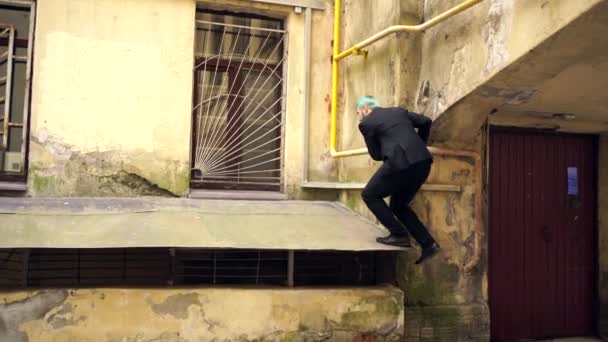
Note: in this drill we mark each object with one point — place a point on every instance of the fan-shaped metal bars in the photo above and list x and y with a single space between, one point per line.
238 105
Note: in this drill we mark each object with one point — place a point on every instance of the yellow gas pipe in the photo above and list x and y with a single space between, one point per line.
359 49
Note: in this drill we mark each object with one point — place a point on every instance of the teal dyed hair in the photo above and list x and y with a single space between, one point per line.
370 101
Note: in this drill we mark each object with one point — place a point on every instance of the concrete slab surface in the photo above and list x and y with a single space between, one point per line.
180 222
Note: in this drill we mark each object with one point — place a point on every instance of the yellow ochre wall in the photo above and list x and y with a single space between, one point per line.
189 315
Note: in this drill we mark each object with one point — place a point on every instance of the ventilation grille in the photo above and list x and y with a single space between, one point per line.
335 268
98 267
12 270
165 267
231 267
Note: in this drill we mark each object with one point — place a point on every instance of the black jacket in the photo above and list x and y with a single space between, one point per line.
390 136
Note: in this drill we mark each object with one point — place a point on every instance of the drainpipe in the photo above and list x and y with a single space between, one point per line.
307 43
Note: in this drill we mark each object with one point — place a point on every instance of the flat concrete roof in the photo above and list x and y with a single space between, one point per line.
166 222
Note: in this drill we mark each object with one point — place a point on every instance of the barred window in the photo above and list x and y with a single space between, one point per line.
237 131
16 41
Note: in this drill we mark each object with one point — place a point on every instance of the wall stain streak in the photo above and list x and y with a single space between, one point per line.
13 314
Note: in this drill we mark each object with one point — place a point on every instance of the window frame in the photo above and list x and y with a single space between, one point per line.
8 179
280 70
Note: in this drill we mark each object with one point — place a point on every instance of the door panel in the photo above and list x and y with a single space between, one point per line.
542 239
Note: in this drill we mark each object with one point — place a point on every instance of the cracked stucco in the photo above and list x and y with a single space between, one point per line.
61 169
186 315
176 305
34 306
111 104
64 316
484 45
496 33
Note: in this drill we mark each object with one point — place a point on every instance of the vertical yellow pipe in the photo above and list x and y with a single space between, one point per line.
334 78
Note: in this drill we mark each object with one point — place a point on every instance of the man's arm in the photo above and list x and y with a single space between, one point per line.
373 146
422 123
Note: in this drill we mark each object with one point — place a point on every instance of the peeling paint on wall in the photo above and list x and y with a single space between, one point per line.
176 305
60 169
64 317
509 95
111 103
496 33
35 307
191 315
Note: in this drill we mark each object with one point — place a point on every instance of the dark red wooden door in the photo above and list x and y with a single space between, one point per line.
542 245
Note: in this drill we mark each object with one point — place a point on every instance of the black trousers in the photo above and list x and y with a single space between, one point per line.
402 186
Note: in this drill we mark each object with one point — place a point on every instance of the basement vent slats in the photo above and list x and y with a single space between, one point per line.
12 271
231 267
58 267
182 266
345 268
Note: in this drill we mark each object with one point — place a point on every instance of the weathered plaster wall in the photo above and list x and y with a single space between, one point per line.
202 315
560 75
442 302
603 232
439 296
389 71
465 51
322 167
116 122
504 56
386 73
111 98
99 127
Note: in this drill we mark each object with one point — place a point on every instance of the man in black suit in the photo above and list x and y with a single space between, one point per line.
390 135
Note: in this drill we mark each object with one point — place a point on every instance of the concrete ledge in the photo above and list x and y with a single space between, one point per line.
180 222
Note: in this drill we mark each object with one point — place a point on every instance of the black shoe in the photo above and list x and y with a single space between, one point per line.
428 253
395 240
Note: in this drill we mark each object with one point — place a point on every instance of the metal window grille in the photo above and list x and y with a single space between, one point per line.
16 41
165 267
238 103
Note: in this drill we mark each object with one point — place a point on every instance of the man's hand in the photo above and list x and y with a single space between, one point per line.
422 124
